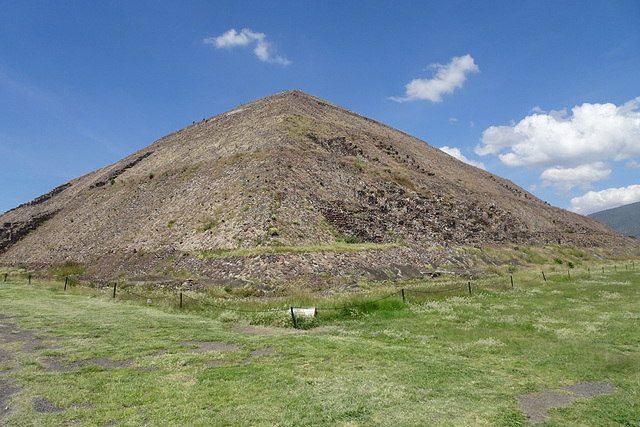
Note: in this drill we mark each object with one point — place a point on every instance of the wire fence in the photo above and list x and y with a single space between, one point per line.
179 300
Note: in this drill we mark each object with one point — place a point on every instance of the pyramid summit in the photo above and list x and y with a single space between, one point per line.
276 190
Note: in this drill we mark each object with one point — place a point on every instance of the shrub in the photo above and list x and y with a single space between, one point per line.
67 269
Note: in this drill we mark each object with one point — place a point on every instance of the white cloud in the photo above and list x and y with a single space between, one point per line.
582 176
595 201
455 152
571 148
594 132
453 120
262 49
447 78
537 109
633 164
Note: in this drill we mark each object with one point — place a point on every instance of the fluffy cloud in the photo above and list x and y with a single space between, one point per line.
572 147
455 152
595 201
593 132
447 78
262 49
582 176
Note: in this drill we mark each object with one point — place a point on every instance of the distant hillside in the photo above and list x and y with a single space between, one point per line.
624 219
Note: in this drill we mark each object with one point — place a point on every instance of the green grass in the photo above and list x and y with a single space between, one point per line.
441 359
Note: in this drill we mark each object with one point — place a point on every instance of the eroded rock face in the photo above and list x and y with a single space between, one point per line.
286 170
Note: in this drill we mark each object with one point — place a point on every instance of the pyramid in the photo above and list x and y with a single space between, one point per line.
273 191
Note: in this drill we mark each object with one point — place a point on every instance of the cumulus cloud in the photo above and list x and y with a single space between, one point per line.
582 176
246 37
596 201
593 132
447 78
568 146
455 152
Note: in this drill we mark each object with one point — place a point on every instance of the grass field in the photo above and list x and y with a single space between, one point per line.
443 359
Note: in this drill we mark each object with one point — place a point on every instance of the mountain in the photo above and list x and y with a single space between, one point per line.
288 173
623 219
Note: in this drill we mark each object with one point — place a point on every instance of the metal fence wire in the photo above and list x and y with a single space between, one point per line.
181 300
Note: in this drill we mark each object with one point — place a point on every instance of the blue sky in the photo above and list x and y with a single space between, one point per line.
544 93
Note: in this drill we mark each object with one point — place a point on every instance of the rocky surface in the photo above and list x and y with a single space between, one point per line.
286 170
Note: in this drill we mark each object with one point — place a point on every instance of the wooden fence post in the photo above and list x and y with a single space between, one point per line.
293 317
512 280
180 299
470 288
114 289
544 277
403 300
66 279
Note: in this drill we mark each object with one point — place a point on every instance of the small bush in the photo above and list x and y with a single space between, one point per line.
273 231
67 269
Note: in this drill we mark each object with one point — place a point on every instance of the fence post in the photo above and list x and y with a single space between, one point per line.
180 299
469 288
293 317
603 269
5 276
403 300
114 289
29 277
66 279
589 271
512 280
569 274
544 277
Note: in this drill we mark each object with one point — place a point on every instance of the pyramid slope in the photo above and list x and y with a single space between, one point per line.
286 170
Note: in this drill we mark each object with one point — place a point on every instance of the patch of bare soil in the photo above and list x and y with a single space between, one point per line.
260 352
11 333
535 405
43 405
221 346
7 389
